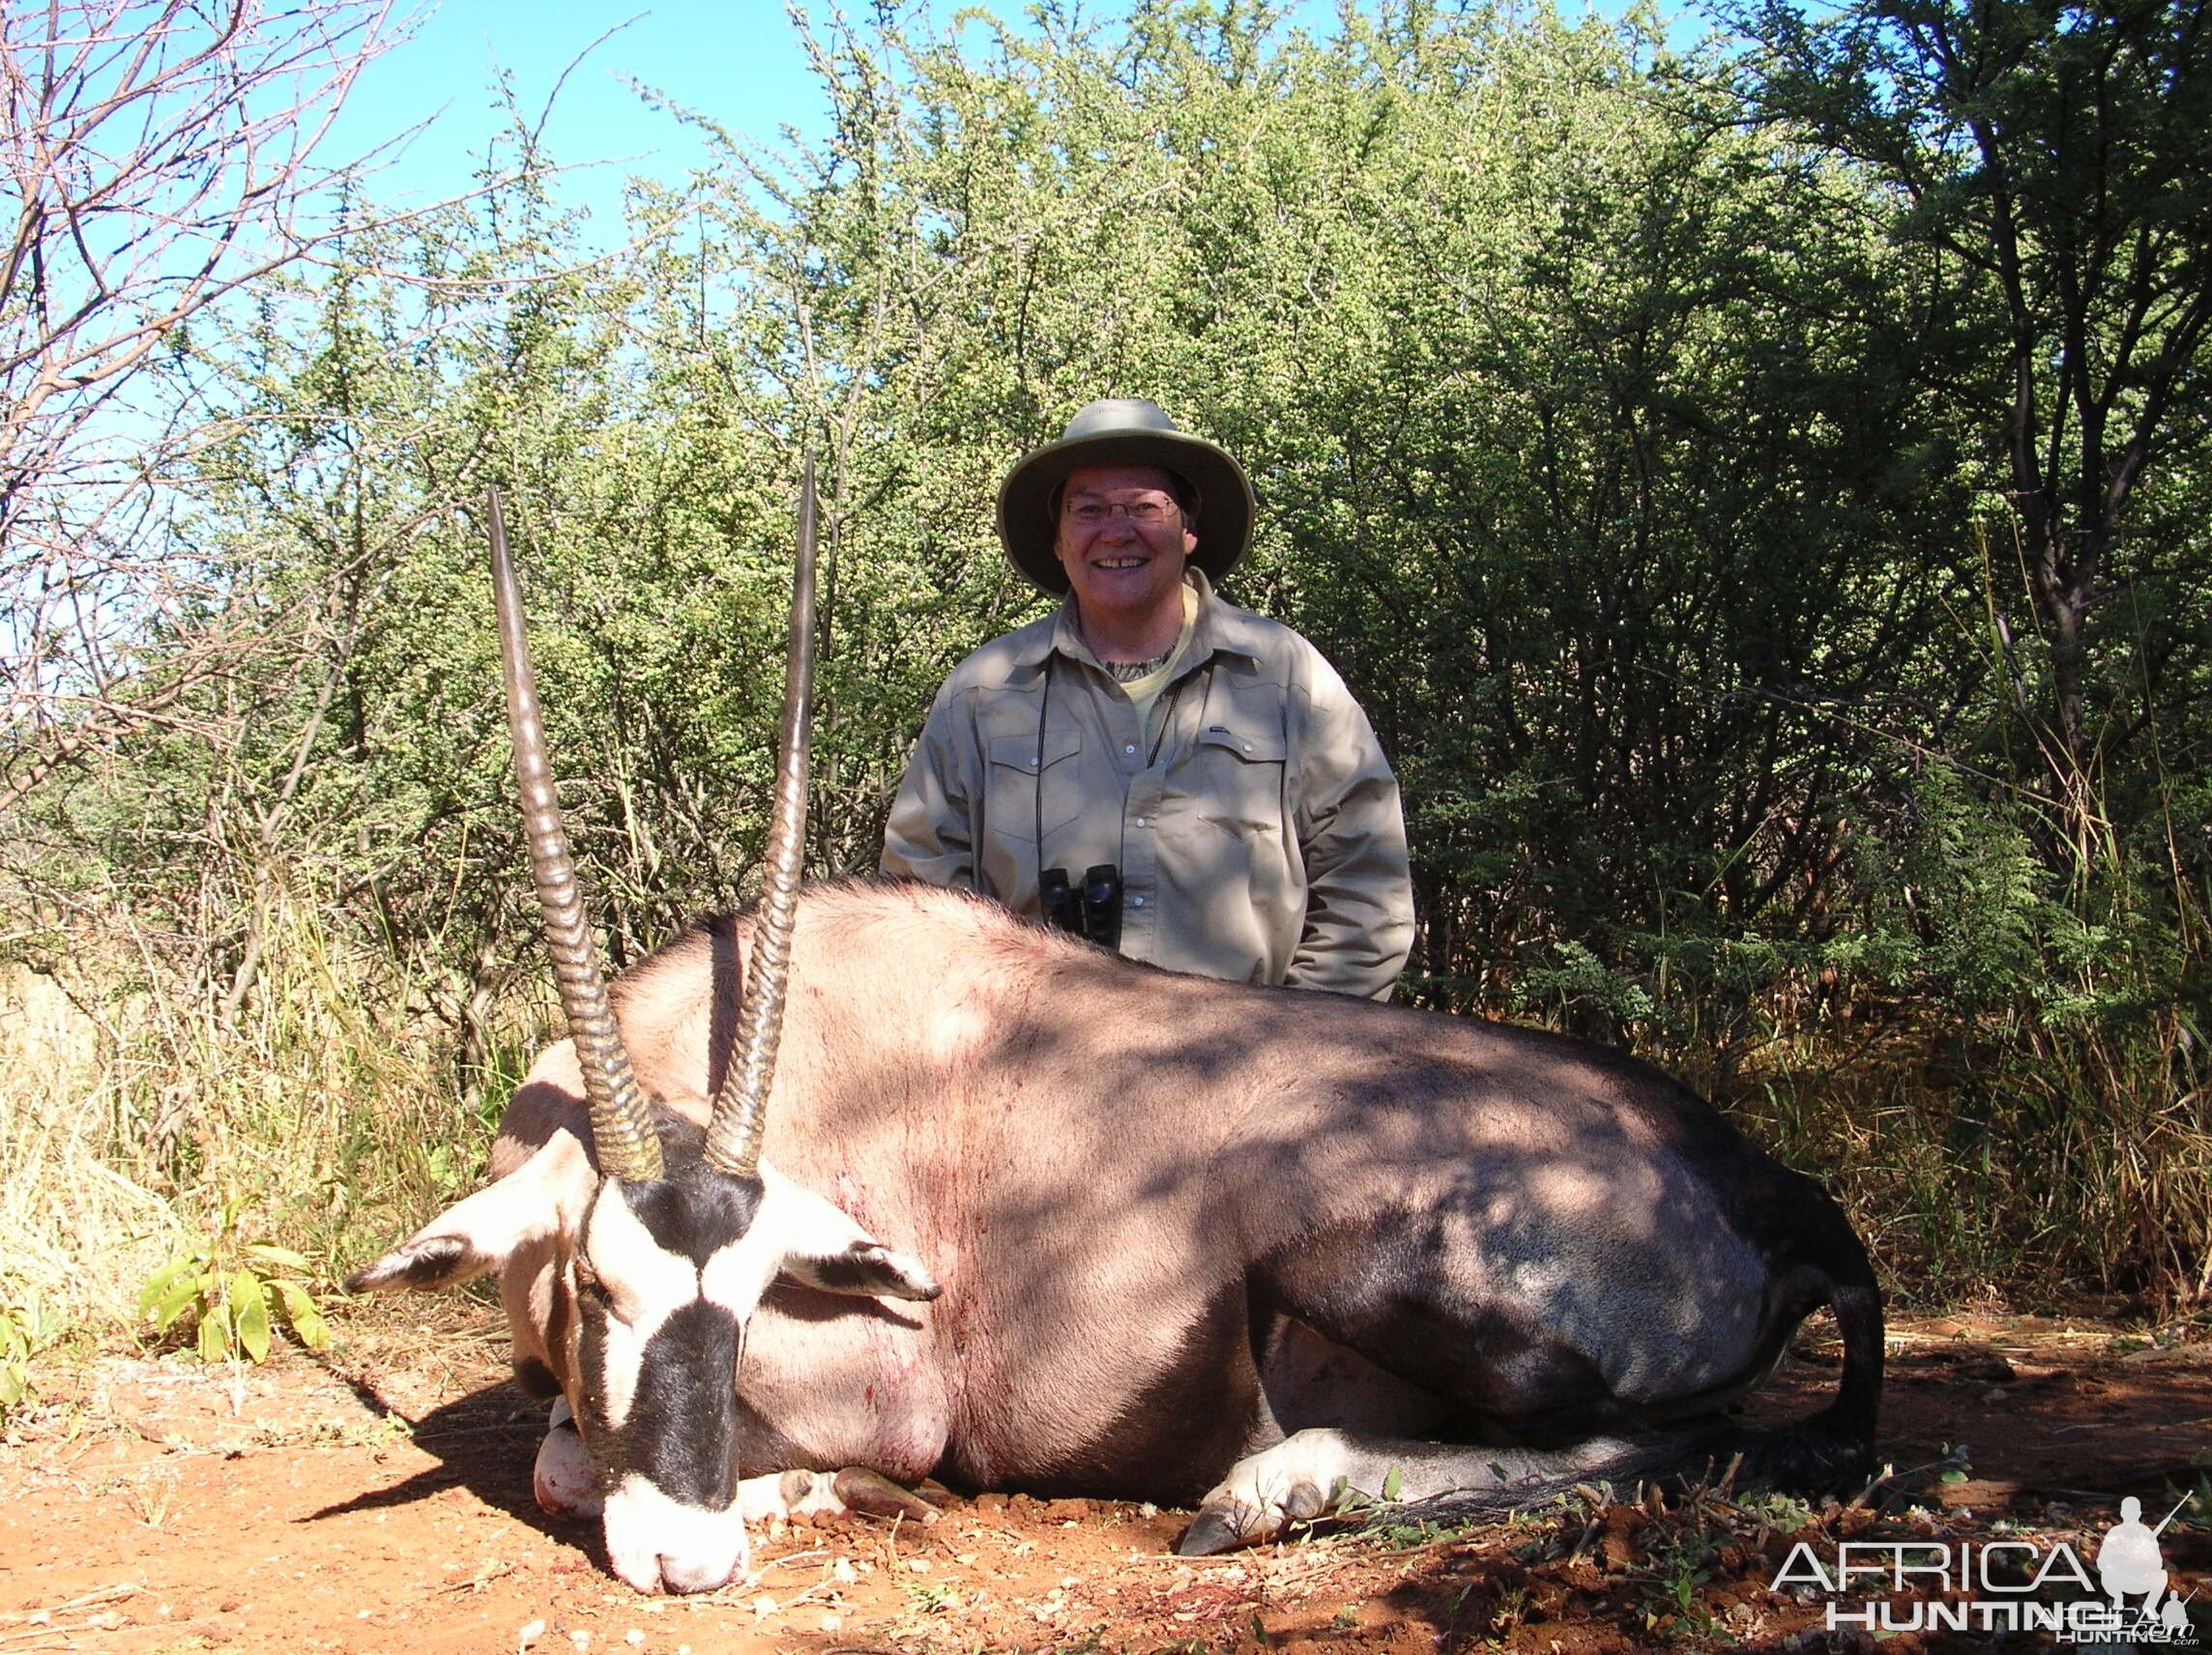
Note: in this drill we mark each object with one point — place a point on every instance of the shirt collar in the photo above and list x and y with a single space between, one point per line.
1220 627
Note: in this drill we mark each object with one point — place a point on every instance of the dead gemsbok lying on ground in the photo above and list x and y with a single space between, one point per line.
1029 1217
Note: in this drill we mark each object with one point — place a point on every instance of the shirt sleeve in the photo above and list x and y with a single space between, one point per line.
1351 833
929 834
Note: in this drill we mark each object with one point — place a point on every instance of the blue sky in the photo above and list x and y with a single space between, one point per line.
740 61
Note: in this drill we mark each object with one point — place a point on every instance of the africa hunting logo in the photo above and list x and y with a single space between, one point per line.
2003 1585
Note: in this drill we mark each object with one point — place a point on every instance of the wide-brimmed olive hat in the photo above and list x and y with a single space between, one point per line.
1115 432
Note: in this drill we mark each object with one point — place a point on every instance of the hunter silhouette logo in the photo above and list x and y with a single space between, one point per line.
2129 1562
2004 1585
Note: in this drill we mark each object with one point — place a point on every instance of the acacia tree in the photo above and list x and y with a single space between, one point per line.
2059 156
162 154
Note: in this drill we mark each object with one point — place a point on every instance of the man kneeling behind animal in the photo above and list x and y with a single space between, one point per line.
1177 778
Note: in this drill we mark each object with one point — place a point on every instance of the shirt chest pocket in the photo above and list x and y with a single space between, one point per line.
1235 779
1020 795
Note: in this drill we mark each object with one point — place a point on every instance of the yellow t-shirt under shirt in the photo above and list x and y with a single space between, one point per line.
1145 693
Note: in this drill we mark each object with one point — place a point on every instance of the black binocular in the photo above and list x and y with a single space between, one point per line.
1091 910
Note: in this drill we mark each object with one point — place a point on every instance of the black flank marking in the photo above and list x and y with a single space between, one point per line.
1389 1288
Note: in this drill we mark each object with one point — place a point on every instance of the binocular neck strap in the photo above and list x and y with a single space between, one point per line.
1036 774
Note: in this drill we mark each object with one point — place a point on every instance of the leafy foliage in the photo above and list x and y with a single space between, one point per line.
231 1295
25 1328
1630 425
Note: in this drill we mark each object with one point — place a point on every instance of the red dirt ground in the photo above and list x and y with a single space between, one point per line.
381 1503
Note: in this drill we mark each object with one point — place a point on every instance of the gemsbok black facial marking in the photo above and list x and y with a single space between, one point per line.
661 1305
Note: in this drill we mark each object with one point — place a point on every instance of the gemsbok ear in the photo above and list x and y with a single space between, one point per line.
540 1198
825 1249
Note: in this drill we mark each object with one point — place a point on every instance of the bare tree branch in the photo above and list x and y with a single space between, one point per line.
162 155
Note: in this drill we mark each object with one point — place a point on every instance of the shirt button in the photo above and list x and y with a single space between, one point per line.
1129 747
1247 746
1136 902
1139 821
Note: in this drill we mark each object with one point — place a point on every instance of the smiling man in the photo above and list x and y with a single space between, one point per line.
1152 766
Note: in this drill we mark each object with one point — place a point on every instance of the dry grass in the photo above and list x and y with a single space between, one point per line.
77 1230
2032 1167
128 1114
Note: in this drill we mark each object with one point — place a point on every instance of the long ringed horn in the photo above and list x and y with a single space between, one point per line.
740 1106
623 1133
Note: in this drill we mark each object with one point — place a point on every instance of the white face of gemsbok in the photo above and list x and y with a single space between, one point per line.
657 1283
666 1274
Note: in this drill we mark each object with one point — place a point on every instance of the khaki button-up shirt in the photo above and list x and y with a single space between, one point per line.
1255 821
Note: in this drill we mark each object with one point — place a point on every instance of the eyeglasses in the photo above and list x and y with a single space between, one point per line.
1142 513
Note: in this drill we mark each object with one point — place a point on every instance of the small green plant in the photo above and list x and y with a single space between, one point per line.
1958 1464
1423 1531
1682 1580
233 1293
25 1328
1454 1611
1674 1587
1512 1607
1782 1512
932 1597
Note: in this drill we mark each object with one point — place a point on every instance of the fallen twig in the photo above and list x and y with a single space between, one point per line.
89 1600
